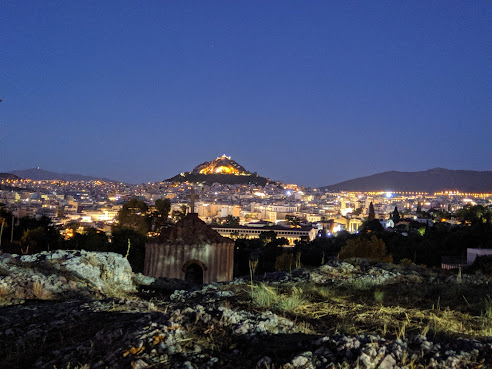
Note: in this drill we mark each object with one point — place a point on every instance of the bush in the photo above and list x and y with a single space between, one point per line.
406 262
284 262
373 248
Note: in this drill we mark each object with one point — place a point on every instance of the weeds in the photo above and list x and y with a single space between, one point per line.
269 298
362 284
487 302
253 264
378 296
264 296
486 315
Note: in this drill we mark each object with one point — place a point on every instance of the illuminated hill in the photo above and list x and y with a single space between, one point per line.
222 170
221 165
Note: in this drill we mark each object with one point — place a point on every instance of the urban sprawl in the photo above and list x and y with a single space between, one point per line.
292 211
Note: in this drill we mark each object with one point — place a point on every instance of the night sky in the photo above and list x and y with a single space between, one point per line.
307 92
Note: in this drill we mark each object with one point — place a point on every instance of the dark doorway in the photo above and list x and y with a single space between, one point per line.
194 273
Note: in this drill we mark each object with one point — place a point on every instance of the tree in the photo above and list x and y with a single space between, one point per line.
373 226
357 211
35 240
477 214
73 225
90 240
163 207
133 215
372 214
159 217
35 235
396 216
293 220
180 214
267 237
231 221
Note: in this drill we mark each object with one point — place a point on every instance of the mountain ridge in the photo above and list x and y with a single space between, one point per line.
4 176
431 180
37 174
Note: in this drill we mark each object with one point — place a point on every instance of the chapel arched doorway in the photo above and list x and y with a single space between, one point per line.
194 274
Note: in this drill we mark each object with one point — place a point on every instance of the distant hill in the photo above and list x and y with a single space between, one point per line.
432 180
221 170
219 178
4 176
37 174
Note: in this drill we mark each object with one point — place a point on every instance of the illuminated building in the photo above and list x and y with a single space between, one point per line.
291 234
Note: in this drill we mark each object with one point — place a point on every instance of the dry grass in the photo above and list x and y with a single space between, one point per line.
40 292
391 311
393 319
4 295
269 298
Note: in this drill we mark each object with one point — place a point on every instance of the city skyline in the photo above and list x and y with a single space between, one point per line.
313 94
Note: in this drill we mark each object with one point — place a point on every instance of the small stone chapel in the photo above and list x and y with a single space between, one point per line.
192 251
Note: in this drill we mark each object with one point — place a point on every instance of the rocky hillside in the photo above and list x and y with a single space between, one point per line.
80 310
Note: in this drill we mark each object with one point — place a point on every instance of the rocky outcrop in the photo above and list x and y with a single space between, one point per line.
210 326
64 274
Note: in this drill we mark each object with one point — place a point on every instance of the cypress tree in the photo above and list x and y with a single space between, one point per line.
396 216
372 214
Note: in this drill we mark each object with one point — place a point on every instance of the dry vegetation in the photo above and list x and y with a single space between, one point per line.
394 310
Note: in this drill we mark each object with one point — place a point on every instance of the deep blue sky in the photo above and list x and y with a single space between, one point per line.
308 92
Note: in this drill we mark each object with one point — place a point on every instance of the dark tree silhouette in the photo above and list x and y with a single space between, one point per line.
396 216
372 214
133 215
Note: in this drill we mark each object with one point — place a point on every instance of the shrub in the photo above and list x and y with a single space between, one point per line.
379 296
372 248
406 262
284 262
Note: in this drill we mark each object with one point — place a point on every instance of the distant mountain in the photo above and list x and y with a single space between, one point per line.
432 180
37 174
4 176
222 170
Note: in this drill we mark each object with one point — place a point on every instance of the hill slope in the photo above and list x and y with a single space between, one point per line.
432 180
37 174
4 176
222 170
218 178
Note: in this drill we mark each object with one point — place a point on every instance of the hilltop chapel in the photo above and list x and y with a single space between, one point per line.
192 251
